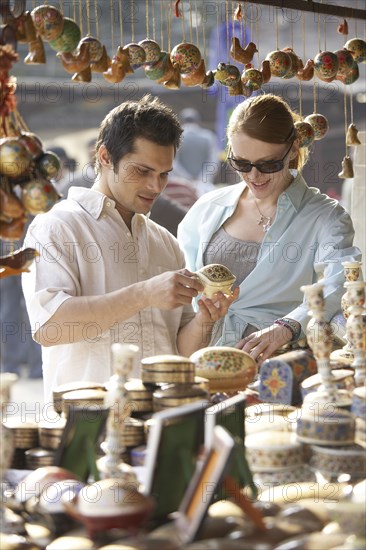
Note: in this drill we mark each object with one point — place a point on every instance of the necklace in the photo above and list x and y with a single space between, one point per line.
264 221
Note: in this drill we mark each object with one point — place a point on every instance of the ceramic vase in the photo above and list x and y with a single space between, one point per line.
356 328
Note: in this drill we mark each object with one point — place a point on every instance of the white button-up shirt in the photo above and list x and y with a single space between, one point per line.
86 249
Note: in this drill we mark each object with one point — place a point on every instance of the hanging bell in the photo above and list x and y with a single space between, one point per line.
352 135
347 168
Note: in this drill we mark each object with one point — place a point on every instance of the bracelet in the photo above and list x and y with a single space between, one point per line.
293 326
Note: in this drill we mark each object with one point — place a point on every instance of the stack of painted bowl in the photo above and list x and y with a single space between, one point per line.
60 391
25 437
343 380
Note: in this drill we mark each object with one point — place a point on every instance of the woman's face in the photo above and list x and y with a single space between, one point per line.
263 185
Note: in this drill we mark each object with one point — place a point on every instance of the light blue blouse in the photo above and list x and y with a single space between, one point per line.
311 234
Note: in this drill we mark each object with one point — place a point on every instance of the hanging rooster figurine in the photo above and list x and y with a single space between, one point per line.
243 55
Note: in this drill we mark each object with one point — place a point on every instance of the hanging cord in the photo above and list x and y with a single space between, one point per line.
147 18
314 93
169 15
132 21
196 16
120 22
88 16
325 33
96 19
227 30
203 29
112 25
345 119
81 16
153 19
190 23
161 26
257 38
74 10
277 30
62 6
183 29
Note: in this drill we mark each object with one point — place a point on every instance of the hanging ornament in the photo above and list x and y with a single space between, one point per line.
78 61
343 28
306 73
357 47
209 80
266 71
227 74
326 65
304 133
187 56
319 124
352 135
197 77
14 157
347 168
152 51
103 64
136 55
36 53
49 165
120 66
252 77
68 39
243 55
174 82
350 77
48 22
345 61
296 63
161 68
39 196
280 63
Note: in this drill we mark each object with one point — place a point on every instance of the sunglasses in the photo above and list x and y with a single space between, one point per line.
269 167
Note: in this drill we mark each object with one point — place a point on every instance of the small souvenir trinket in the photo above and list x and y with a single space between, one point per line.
39 196
243 55
151 49
305 133
167 369
347 168
48 22
326 64
273 450
226 74
68 39
14 157
319 123
357 47
351 76
352 135
136 55
187 56
280 63
215 278
296 63
345 61
174 395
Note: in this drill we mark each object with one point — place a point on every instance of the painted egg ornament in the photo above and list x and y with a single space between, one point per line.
152 50
357 47
296 63
345 61
326 64
68 39
352 75
38 196
252 78
14 157
49 165
158 69
32 143
95 48
48 22
319 123
227 74
187 56
305 133
136 55
280 63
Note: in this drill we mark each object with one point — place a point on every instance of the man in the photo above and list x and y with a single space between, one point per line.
106 272
197 159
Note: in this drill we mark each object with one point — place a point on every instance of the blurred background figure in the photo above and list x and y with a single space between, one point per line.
19 352
66 176
197 158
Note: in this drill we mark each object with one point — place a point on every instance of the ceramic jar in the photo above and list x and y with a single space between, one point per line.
226 368
325 425
272 450
167 369
352 273
215 278
356 328
334 461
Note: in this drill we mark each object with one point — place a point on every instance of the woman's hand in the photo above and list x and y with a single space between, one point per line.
262 344
211 311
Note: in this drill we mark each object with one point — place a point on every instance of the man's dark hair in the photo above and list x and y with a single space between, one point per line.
146 118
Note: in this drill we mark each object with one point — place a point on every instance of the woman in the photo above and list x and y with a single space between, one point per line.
271 230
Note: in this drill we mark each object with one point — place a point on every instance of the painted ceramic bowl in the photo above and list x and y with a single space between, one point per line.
268 416
334 461
138 396
226 368
280 63
14 157
326 64
325 425
48 22
357 47
151 49
108 504
305 133
215 278
136 55
319 123
68 39
59 391
174 395
272 450
187 56
273 478
82 398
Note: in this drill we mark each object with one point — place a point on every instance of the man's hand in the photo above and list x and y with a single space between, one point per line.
262 344
173 289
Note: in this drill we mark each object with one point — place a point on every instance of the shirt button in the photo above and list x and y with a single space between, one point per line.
108 203
128 234
104 215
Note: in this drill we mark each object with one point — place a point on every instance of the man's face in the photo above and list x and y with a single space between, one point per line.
139 178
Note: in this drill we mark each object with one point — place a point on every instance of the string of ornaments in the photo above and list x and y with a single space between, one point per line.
23 161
